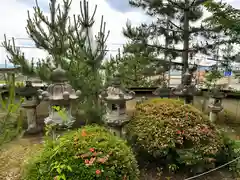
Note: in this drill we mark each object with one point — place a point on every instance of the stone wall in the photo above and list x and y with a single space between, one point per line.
232 105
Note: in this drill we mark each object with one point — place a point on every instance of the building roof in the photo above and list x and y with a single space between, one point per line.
7 65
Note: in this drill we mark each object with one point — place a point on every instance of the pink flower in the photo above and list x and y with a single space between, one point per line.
178 132
84 133
86 161
98 172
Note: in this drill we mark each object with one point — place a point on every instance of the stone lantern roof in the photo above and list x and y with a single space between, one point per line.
28 90
117 93
216 93
60 90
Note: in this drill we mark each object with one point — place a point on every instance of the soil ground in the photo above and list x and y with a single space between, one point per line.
14 154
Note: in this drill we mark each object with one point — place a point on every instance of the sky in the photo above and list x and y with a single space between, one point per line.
13 16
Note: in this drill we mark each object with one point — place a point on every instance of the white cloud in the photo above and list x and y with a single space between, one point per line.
13 15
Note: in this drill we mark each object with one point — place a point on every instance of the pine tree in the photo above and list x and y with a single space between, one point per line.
130 67
173 21
69 43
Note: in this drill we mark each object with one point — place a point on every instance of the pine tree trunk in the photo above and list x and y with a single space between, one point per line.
185 38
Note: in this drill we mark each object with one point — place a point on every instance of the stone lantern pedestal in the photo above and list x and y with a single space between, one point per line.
116 123
115 98
31 112
30 103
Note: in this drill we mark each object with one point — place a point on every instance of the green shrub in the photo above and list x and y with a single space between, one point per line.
230 152
89 153
176 133
167 100
227 117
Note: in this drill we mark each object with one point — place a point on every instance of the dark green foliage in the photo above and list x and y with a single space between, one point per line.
228 118
230 152
171 21
68 44
131 68
70 158
175 133
212 76
10 114
224 15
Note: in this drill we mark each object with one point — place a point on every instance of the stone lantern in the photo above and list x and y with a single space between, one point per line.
60 95
163 91
30 103
216 106
115 98
187 89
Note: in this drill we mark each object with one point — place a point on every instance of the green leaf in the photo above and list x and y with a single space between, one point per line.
59 170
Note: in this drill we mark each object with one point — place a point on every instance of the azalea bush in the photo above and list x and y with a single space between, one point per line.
230 152
177 134
89 153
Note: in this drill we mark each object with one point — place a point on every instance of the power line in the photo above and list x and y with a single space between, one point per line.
33 47
219 167
109 50
26 38
29 39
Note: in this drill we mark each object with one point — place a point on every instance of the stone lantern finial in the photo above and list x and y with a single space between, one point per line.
116 81
58 75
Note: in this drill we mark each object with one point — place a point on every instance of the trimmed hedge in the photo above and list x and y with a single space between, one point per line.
178 134
89 153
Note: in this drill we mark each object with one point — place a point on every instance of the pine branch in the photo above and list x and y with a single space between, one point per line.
159 47
17 57
176 4
50 40
178 27
216 29
80 42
